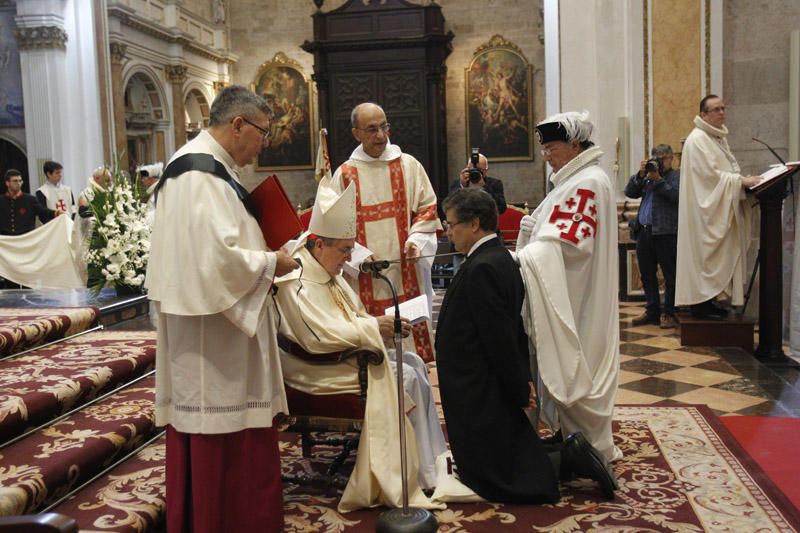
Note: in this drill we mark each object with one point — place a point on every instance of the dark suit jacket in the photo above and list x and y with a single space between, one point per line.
665 200
482 361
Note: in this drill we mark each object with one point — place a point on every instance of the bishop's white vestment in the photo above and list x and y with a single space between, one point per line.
569 266
715 220
209 274
395 203
324 315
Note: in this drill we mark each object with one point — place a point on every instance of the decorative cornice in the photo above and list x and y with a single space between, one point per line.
41 37
118 52
176 73
171 35
218 86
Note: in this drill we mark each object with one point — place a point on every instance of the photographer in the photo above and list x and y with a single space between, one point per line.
655 230
478 164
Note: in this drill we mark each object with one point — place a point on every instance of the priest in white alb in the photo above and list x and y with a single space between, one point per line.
567 250
715 217
396 217
219 381
321 314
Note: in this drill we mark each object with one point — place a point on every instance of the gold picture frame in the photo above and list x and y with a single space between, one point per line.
499 101
286 88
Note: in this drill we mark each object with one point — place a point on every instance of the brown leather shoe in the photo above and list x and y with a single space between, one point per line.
645 318
668 321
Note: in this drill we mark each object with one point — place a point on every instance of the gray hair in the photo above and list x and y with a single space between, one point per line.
235 101
354 113
577 125
100 171
660 150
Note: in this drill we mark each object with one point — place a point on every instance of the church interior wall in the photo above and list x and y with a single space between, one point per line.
260 29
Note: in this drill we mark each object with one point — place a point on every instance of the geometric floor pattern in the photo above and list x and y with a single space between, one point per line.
654 367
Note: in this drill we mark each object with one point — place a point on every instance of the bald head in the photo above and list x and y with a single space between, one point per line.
370 128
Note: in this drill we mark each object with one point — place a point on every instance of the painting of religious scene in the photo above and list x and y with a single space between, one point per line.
286 89
11 114
499 102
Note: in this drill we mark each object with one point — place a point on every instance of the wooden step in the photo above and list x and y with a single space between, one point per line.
732 331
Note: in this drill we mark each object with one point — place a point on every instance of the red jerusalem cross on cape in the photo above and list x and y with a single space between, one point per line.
583 221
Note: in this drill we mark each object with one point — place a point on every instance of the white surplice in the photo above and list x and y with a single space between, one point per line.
571 313
714 220
324 315
209 275
395 204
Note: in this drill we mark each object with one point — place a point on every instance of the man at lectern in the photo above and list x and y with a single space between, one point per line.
219 381
714 217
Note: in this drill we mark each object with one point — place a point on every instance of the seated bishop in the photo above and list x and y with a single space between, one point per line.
321 313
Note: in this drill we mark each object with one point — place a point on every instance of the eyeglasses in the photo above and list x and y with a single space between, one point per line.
447 225
718 109
264 132
373 130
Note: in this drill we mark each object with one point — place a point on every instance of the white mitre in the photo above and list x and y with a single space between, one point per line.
334 215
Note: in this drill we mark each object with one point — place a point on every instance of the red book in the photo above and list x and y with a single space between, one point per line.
276 216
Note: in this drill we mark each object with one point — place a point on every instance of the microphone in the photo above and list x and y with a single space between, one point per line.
770 149
373 267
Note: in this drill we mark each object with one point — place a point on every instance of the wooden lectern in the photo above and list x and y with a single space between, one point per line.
770 195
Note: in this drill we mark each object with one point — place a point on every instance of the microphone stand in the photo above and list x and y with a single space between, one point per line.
406 519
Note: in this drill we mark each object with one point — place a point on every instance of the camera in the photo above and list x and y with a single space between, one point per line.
475 174
652 165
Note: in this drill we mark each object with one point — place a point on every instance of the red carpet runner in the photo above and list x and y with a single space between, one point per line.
44 383
772 443
23 328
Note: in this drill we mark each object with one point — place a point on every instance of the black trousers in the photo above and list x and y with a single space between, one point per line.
653 251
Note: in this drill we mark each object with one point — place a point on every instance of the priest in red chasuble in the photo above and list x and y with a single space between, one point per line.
397 217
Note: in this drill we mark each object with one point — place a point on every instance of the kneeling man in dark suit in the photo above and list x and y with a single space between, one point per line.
484 376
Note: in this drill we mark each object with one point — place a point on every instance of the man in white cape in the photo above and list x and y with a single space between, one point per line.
53 193
567 250
396 217
322 314
219 381
714 217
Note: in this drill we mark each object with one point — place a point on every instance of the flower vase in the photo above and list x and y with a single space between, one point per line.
129 290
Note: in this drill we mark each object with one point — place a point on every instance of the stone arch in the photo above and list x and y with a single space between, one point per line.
146 117
196 110
12 155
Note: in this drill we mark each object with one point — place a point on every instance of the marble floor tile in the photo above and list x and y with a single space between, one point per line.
669 343
629 397
634 348
627 377
665 388
721 400
697 376
649 368
679 357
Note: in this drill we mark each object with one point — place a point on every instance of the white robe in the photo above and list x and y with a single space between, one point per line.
395 203
209 274
324 315
714 220
571 313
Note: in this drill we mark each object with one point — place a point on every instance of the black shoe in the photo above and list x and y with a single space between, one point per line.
583 460
709 311
556 438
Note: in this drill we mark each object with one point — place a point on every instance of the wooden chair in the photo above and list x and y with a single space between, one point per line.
337 413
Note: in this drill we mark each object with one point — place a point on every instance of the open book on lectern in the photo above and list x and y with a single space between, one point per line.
775 172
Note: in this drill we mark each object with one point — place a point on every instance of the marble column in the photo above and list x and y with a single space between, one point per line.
177 77
118 96
42 51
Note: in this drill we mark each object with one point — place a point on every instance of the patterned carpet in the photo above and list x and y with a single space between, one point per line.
23 328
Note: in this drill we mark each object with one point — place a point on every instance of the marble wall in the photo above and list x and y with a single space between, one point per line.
261 28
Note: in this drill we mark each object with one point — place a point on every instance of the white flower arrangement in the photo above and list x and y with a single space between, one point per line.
120 243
